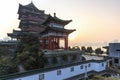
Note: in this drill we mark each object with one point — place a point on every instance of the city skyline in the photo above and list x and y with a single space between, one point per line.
96 21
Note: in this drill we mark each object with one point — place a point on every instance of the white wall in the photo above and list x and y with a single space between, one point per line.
66 72
98 66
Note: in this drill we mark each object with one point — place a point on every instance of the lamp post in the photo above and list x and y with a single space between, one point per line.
86 76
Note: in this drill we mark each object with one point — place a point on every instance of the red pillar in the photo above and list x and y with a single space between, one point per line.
58 43
50 42
66 42
43 43
53 43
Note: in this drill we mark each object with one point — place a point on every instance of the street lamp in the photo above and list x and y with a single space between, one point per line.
86 76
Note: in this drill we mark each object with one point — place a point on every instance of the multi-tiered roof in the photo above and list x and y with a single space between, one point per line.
34 20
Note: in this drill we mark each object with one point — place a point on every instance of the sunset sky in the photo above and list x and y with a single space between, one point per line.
97 22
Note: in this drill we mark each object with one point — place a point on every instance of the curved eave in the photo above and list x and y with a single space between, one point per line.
72 31
21 33
15 33
9 34
68 31
55 19
12 35
65 22
29 6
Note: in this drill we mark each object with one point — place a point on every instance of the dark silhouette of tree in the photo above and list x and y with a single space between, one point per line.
4 51
7 65
98 51
69 48
76 48
29 53
89 50
83 49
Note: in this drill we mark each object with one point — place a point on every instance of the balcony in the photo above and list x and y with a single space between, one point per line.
55 34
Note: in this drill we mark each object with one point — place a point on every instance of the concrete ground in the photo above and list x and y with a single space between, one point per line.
89 57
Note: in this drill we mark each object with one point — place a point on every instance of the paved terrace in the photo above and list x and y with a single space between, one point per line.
69 52
62 52
90 57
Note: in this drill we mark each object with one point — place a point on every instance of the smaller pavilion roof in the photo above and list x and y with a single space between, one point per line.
15 34
56 19
59 30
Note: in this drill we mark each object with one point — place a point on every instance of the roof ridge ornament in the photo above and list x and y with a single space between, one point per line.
31 2
54 14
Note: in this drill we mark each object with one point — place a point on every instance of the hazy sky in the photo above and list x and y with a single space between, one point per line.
95 21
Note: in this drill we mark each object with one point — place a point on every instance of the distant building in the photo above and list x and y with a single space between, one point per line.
114 53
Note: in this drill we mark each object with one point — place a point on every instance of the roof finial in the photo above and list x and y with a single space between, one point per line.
31 1
54 14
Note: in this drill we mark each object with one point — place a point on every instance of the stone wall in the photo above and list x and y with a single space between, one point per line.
63 58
